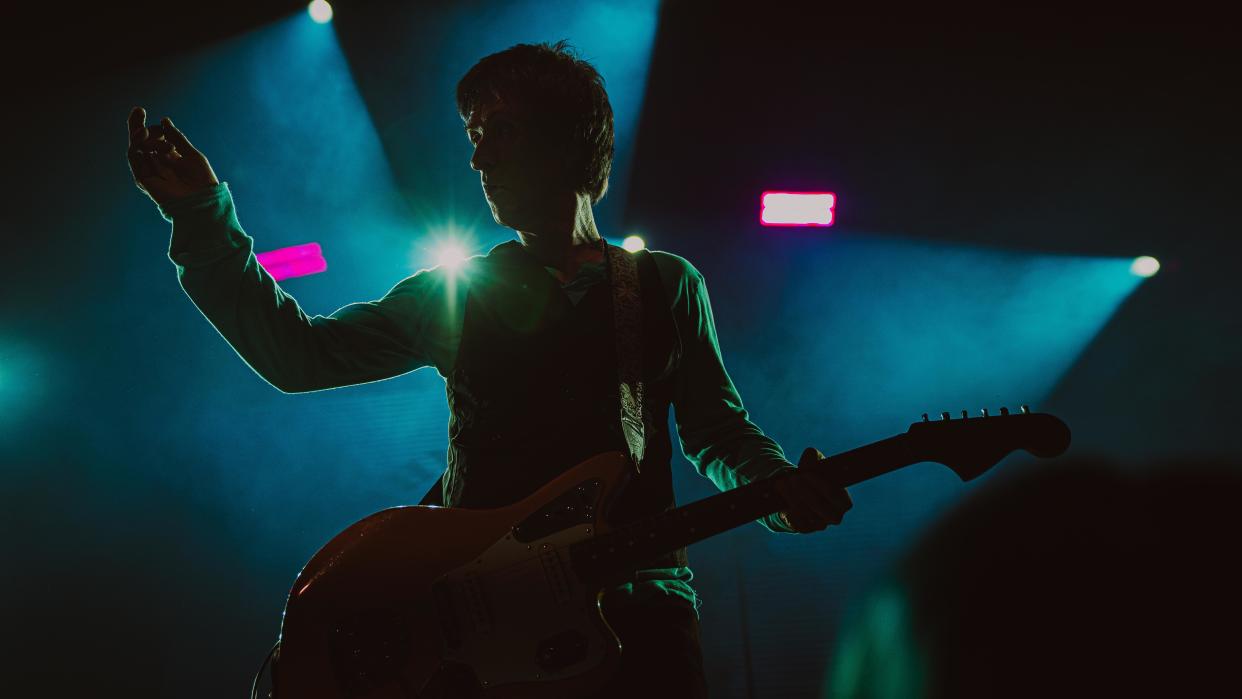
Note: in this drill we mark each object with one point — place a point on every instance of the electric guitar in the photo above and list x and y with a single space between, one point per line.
444 602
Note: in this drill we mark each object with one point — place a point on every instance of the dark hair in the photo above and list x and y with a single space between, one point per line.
559 86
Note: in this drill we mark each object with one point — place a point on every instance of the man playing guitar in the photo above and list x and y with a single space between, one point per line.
530 338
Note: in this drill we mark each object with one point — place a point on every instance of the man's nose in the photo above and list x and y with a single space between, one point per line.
483 159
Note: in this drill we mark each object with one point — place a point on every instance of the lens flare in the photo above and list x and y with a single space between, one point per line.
633 243
450 255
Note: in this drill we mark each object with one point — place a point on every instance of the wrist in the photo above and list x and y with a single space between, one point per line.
204 199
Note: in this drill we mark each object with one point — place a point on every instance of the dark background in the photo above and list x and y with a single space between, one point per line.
151 526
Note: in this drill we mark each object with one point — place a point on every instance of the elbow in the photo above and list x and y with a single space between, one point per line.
282 386
288 377
286 384
289 388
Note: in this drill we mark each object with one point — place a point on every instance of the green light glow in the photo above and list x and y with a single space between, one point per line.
877 657
22 382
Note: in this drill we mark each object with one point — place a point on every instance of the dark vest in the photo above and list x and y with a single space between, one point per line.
535 388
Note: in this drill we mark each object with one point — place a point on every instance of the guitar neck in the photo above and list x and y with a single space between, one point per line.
612 557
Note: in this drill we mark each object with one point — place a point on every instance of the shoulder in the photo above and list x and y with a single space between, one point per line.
680 278
674 266
421 282
439 280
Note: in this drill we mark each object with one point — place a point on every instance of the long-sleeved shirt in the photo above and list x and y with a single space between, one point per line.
418 323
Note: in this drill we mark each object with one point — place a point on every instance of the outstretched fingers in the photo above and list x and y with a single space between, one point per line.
178 139
164 163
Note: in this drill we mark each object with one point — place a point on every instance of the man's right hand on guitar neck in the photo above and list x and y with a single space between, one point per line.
813 502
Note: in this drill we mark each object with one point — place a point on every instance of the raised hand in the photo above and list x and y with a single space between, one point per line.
812 502
163 162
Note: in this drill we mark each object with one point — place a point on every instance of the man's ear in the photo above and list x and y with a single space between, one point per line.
572 164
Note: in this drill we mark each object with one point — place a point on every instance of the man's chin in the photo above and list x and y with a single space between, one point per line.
508 221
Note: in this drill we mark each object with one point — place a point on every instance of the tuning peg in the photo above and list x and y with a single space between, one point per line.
925 417
1026 410
1004 411
985 412
944 415
963 414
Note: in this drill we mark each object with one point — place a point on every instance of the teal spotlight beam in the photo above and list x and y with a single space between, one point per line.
920 327
408 60
278 113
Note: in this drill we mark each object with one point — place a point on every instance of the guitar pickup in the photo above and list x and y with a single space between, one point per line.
450 629
461 609
554 573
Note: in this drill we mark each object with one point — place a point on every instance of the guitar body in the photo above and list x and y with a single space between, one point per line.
429 602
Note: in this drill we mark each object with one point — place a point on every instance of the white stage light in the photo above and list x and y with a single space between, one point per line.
320 11
450 256
1145 266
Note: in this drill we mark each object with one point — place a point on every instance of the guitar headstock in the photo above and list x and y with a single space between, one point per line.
972 445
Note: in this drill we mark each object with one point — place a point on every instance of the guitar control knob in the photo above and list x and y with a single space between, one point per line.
925 417
1026 410
944 415
964 415
985 412
1004 411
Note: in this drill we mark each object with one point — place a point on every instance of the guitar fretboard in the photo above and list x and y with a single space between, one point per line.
610 558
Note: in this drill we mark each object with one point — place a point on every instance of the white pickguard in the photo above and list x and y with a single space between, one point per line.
514 596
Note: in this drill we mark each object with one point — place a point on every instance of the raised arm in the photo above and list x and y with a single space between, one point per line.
217 268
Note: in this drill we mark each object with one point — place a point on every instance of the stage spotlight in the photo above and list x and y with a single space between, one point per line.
320 11
796 208
450 255
1145 266
633 243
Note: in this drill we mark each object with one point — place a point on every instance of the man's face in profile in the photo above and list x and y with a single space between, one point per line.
521 167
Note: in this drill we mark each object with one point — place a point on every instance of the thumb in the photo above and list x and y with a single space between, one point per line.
810 456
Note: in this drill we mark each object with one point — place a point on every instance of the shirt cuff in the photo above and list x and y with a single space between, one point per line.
204 200
205 227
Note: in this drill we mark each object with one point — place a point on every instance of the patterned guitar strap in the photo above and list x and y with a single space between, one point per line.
627 314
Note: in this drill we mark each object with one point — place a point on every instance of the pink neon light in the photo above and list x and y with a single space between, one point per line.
797 208
290 253
295 261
